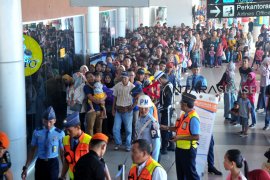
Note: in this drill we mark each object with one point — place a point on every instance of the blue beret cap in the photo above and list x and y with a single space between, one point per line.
124 74
136 90
72 120
49 113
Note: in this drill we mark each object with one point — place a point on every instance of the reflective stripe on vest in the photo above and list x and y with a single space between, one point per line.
146 173
81 149
183 129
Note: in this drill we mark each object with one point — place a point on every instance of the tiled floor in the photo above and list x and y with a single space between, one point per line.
252 147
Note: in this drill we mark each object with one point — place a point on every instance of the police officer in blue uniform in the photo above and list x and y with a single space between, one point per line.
198 83
47 142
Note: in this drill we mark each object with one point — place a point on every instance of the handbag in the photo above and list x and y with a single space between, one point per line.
223 56
76 107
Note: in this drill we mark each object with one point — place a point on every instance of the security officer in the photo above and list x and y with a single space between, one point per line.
76 144
47 141
165 103
187 130
144 166
92 165
5 162
198 83
147 127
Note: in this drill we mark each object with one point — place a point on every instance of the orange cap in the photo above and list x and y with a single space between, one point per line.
100 136
4 142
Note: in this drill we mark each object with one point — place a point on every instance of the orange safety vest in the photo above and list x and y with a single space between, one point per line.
183 129
81 149
146 173
155 112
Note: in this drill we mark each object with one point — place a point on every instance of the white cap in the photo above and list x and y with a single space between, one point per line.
144 101
158 74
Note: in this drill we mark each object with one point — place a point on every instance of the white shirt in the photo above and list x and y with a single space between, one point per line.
158 174
122 93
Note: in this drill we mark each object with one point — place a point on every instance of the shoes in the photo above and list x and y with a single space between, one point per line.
252 126
235 124
116 147
241 132
128 149
163 151
213 170
244 135
265 128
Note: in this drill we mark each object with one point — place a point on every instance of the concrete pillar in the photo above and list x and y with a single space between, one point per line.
78 34
136 17
245 22
121 22
130 19
12 80
145 16
63 24
93 30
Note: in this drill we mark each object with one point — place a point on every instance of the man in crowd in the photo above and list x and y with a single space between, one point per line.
76 144
92 165
123 110
47 141
147 127
198 83
165 103
187 130
144 167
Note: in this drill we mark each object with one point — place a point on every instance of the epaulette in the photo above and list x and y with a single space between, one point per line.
58 130
39 128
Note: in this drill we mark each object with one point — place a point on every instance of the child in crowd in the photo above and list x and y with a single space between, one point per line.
212 55
235 114
233 161
246 52
98 95
266 165
258 56
219 55
244 111
5 163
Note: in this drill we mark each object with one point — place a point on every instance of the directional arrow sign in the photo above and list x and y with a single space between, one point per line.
215 11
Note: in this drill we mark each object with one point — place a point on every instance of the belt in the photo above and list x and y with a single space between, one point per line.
46 159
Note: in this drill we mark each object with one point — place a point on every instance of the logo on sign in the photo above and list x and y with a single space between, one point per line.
32 55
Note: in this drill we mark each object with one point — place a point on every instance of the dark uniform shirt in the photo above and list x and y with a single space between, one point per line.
89 167
5 164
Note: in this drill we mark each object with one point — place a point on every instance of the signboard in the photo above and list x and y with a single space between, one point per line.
237 8
32 55
206 107
110 3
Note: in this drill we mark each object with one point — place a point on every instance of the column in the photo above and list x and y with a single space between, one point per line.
63 24
136 17
12 80
93 43
245 22
145 16
121 22
78 34
130 19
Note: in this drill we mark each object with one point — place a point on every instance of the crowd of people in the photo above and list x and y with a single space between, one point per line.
134 89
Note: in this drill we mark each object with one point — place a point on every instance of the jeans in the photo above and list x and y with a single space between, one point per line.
267 118
134 120
126 118
228 56
261 100
229 99
219 61
212 60
253 115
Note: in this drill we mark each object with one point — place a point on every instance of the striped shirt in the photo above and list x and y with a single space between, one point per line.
122 93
